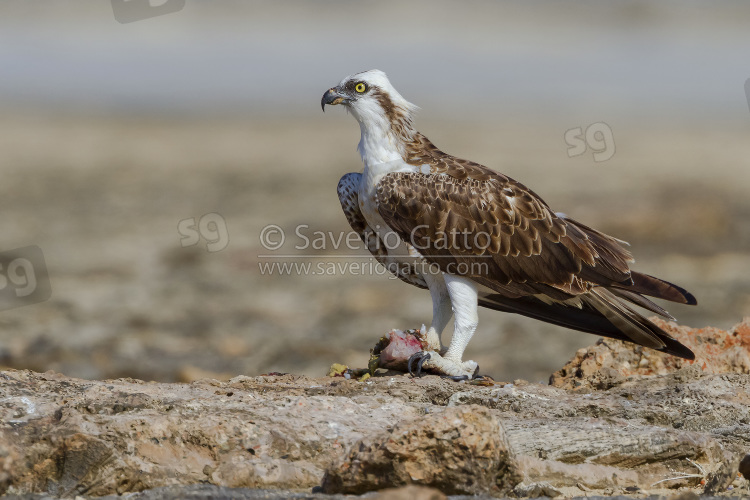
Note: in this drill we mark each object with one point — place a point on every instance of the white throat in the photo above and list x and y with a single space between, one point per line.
378 143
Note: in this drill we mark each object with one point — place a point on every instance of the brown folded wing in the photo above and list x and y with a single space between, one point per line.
498 232
474 222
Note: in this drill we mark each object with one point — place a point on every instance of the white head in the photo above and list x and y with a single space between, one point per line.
382 113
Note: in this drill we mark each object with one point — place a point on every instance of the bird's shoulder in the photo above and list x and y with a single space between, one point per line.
421 151
456 180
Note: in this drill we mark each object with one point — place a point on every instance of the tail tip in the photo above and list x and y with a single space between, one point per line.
690 299
679 350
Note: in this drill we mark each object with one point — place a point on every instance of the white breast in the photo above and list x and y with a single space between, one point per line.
371 175
381 155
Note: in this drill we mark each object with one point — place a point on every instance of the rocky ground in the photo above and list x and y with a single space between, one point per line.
104 196
614 421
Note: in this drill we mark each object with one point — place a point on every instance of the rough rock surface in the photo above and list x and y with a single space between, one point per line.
460 450
611 362
678 429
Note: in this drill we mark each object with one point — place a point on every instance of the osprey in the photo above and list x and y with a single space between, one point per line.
475 237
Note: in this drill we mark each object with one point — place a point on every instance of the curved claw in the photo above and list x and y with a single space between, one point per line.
420 357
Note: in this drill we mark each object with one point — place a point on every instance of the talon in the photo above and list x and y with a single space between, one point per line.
420 357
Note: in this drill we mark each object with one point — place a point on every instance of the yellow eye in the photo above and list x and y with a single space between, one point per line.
360 87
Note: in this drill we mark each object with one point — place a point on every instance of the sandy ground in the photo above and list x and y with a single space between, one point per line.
103 198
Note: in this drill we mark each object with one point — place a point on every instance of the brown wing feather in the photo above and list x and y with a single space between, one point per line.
512 243
349 197
588 319
505 229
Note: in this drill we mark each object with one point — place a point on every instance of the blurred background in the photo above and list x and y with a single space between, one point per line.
112 135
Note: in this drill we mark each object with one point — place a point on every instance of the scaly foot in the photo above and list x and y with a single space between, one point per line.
466 370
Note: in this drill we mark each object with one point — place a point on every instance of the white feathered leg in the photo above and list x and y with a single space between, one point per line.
464 302
463 294
441 311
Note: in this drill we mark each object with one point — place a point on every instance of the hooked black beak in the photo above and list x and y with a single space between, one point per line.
332 97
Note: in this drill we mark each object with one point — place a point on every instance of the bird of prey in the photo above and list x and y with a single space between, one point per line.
475 237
